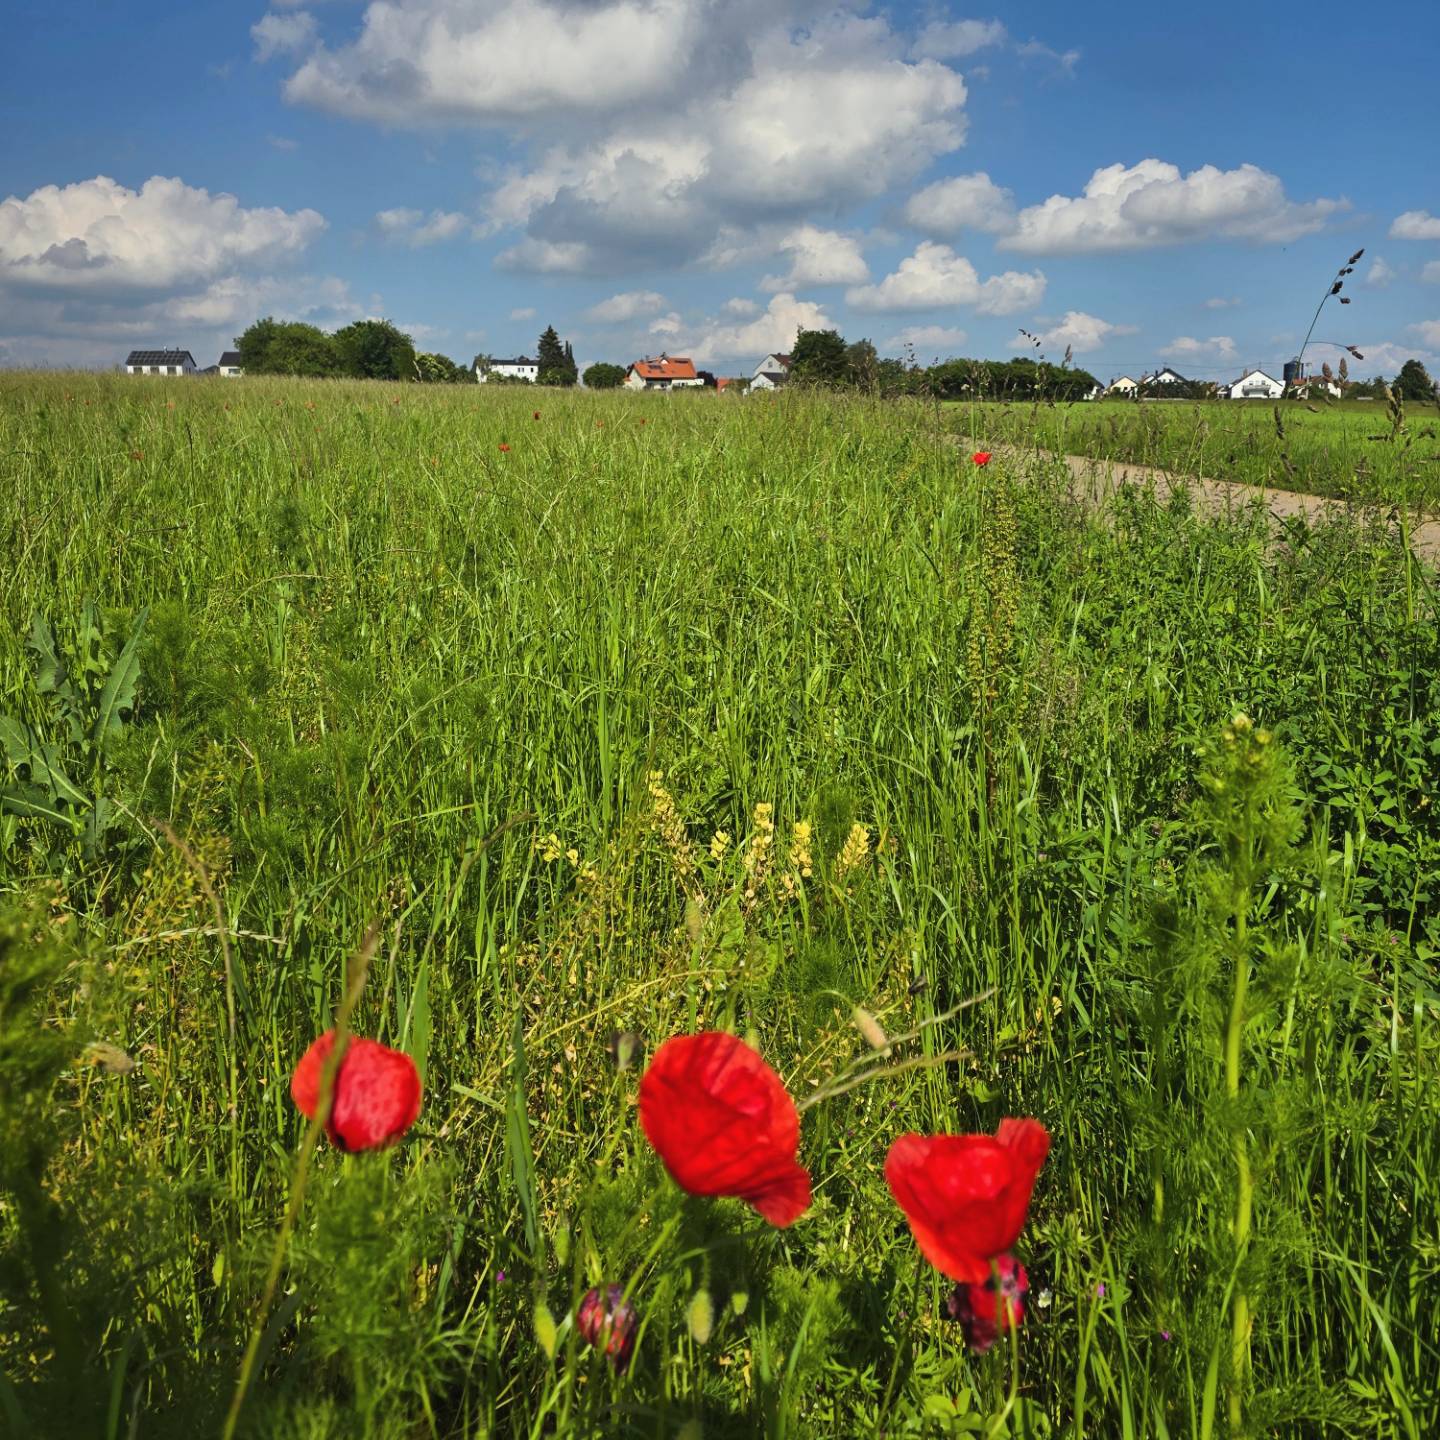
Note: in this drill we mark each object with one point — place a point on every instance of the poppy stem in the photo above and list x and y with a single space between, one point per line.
1240 1305
359 969
997 1425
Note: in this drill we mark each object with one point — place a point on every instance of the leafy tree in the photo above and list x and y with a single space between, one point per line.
375 350
604 376
286 347
819 357
556 367
570 365
1414 382
481 363
441 370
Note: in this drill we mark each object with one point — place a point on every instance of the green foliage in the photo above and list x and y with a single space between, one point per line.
819 357
59 764
434 369
287 347
390 673
374 350
604 376
557 363
1414 383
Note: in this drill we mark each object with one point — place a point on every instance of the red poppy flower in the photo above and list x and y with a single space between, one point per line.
505 449
537 415
966 1196
377 1092
980 457
723 1124
987 1311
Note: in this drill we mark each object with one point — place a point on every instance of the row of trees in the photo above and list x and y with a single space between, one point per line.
824 358
365 350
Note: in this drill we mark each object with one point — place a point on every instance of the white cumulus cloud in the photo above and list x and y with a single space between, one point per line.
1380 273
628 305
415 228
927 339
98 236
955 39
963 202
935 277
1076 331
1416 225
819 257
773 330
1139 206
1217 347
1431 273
283 34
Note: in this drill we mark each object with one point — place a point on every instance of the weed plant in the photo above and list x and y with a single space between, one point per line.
686 713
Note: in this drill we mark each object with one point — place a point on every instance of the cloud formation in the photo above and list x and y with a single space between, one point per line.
963 202
1150 204
1217 347
772 112
629 305
936 278
1076 331
416 229
98 235
1416 225
927 339
819 257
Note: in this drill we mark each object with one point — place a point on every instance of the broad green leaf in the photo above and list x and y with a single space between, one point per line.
117 699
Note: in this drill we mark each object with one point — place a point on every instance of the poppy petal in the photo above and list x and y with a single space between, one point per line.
722 1123
377 1092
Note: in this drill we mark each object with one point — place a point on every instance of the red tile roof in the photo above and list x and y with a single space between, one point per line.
667 367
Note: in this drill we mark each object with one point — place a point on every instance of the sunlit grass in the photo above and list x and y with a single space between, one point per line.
522 709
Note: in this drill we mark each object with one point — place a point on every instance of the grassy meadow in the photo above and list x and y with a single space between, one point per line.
1354 450
325 668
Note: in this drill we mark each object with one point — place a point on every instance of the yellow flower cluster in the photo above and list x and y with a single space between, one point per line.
801 862
854 852
670 826
757 853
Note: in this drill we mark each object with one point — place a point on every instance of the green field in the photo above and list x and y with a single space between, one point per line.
1355 450
336 663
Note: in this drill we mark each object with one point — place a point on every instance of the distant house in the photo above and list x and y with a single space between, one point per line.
663 372
522 367
774 365
1095 391
1123 386
230 367
1165 376
1315 385
1253 385
160 362
768 379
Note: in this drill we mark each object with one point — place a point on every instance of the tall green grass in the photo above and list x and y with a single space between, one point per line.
1356 450
393 674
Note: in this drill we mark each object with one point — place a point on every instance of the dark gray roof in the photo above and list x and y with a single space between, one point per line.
519 360
159 357
231 358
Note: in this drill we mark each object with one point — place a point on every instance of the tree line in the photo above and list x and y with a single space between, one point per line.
823 358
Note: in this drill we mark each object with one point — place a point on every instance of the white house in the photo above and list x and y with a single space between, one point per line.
1165 376
768 379
774 365
1123 386
520 368
1313 385
229 367
1254 385
665 372
160 362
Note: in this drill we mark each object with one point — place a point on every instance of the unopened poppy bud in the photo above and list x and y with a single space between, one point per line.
985 1312
608 1322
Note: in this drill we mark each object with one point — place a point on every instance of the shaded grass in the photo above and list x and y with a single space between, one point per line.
376 639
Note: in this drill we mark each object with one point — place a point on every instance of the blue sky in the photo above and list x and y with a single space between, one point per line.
1147 187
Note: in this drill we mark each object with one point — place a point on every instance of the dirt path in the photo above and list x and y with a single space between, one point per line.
1098 479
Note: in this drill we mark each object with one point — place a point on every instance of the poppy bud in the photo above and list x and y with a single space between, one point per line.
608 1322
376 1097
985 1312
